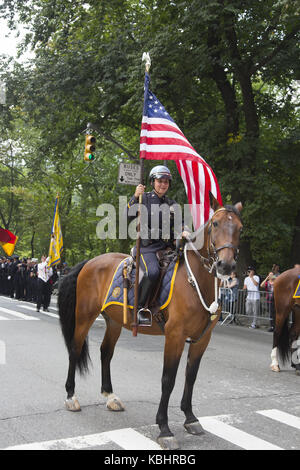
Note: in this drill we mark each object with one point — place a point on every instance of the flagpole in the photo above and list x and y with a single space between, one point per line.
52 228
145 57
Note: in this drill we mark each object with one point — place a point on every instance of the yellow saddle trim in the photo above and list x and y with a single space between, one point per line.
297 289
107 304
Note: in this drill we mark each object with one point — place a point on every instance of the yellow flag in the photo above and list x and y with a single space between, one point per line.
56 242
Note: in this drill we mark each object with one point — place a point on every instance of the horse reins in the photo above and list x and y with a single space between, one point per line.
209 264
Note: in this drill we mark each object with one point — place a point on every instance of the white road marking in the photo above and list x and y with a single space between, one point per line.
54 315
282 417
74 443
128 439
4 318
17 314
234 435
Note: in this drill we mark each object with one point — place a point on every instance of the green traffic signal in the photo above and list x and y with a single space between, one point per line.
90 147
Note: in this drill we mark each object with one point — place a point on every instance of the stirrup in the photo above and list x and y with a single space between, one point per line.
144 321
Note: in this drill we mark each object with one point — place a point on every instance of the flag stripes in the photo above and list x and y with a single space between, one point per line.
161 139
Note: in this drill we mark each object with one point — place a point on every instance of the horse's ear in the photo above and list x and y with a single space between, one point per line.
239 206
214 203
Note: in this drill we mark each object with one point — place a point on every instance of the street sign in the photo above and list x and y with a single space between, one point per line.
129 173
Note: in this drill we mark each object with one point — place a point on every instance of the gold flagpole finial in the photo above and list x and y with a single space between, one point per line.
146 58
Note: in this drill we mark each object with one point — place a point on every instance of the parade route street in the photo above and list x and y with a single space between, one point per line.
240 402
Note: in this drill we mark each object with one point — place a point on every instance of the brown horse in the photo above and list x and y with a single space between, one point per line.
82 293
285 339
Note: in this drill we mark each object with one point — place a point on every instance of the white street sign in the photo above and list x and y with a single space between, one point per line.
129 173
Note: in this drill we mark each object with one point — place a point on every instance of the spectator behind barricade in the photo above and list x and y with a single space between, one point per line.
251 284
223 299
268 284
276 270
233 285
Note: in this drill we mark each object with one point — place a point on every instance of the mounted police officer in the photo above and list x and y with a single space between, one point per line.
158 216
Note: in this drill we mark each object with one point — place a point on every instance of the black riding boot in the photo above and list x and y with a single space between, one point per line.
144 314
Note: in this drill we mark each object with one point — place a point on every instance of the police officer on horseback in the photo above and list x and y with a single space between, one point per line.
154 238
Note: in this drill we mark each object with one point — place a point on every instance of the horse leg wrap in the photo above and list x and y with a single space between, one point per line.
72 404
113 402
274 365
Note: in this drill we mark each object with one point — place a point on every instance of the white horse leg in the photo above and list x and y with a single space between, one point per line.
72 404
274 358
113 402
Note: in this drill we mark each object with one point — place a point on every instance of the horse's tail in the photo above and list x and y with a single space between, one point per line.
66 310
283 341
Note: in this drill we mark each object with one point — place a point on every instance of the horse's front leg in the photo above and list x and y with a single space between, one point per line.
195 354
173 349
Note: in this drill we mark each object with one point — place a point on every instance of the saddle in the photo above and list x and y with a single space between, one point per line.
168 261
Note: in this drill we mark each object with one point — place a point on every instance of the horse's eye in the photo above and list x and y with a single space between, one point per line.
215 224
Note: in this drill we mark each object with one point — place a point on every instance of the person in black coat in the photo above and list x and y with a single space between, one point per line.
158 229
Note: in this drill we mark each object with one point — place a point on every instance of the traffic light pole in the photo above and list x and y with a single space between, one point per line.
91 126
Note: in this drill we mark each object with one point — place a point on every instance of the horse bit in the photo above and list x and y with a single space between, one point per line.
210 264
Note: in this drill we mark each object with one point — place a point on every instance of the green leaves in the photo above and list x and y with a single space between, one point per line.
224 70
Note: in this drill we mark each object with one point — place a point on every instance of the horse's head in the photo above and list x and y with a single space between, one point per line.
223 235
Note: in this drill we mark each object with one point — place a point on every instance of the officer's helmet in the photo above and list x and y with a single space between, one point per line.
159 172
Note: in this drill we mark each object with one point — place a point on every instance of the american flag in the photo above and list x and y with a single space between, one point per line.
161 139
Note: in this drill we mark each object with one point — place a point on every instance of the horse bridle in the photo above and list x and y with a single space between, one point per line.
210 262
211 245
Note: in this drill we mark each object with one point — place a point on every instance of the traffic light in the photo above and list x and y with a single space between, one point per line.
90 147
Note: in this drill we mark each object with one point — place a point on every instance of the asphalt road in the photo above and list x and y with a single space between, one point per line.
240 402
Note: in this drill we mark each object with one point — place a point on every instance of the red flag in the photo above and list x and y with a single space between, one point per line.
8 241
161 139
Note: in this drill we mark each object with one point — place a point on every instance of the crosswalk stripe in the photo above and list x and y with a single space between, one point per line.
282 417
19 315
127 438
50 314
235 436
76 443
28 307
130 439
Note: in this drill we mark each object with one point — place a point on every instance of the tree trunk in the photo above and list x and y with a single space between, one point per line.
295 249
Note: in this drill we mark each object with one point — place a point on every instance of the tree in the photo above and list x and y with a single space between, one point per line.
224 69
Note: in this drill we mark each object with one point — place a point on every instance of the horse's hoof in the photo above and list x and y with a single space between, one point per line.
72 404
194 428
297 372
114 403
275 368
168 443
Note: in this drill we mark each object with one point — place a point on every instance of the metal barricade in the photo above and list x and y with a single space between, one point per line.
228 305
236 310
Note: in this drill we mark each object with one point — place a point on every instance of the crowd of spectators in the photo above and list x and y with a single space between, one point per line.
19 279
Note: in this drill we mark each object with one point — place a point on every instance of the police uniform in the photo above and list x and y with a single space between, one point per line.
154 243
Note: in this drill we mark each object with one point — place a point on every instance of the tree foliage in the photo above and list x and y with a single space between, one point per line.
226 70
